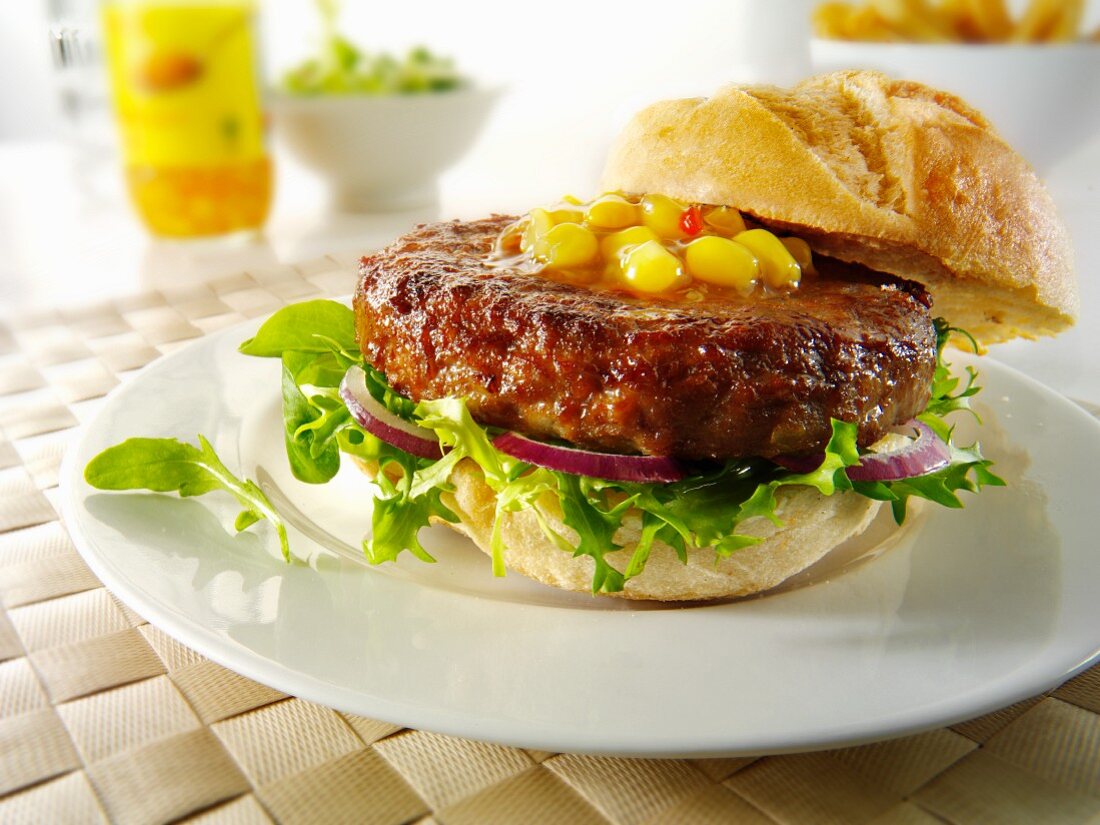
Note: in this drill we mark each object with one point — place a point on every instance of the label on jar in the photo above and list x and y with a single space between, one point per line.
184 79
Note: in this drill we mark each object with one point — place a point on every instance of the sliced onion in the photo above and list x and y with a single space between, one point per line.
373 417
925 454
611 467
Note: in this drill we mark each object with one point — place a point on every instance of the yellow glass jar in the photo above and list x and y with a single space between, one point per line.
185 81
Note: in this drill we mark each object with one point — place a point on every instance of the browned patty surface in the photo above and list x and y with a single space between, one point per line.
608 371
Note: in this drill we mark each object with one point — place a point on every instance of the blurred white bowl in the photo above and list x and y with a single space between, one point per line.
1043 99
382 153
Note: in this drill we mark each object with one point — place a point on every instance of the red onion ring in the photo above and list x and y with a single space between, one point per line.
607 466
373 417
925 454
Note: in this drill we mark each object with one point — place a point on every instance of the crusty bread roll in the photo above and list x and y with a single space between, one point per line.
890 174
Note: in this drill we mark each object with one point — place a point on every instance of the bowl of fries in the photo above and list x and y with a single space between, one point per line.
1035 75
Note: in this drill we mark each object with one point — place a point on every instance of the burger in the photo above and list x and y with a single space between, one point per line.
697 384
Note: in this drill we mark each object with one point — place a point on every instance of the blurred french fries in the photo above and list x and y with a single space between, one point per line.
1068 26
944 21
913 20
990 19
1039 21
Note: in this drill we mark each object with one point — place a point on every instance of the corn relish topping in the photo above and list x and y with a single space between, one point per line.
653 245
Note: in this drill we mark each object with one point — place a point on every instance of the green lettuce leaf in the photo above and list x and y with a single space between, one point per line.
316 342
167 465
945 399
309 326
397 516
310 424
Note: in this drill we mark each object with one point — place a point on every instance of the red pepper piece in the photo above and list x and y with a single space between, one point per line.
691 221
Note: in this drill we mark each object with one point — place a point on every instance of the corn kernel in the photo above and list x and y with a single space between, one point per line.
800 251
725 220
649 267
613 244
539 222
722 262
572 200
612 212
564 213
662 214
567 245
778 266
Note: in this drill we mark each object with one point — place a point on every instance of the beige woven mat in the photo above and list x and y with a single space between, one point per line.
105 717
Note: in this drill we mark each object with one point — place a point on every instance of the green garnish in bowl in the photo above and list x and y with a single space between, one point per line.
342 68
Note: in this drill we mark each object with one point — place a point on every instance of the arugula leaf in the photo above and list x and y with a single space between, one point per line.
332 416
166 465
304 327
316 342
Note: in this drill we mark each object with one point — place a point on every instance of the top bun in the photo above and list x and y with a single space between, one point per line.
889 174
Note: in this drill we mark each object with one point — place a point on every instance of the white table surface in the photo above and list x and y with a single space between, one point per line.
68 236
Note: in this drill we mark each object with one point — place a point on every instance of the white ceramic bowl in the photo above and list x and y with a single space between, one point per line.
382 153
1043 99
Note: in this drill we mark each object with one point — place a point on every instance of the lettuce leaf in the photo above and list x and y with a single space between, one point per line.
316 342
308 326
167 465
310 422
397 516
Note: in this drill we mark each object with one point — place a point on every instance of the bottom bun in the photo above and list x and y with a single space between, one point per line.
813 524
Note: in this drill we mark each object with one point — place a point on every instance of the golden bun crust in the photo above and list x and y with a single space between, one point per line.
889 174
814 525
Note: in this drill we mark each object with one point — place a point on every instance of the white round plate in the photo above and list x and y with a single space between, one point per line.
959 614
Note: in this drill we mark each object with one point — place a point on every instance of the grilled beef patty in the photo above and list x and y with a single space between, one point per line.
756 376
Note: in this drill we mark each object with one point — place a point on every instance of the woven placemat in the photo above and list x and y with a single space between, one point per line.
104 717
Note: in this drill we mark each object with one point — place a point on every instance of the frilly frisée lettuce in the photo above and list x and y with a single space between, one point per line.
315 341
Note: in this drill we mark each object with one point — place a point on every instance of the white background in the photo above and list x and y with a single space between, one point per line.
572 72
